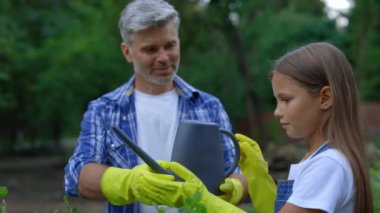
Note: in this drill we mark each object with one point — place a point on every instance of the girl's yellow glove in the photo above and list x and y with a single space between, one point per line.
261 186
233 189
173 193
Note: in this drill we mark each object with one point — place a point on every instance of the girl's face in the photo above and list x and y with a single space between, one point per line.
299 111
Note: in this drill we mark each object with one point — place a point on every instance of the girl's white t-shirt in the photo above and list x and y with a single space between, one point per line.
323 182
157 125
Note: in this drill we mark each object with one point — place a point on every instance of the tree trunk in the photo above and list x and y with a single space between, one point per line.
253 103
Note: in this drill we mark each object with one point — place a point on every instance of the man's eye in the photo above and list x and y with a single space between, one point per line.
150 50
171 45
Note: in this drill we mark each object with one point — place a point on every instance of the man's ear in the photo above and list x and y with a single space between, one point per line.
127 52
326 98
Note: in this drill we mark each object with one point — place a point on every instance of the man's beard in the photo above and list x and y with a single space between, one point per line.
159 80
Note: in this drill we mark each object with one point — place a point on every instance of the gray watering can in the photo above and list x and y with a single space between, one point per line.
198 147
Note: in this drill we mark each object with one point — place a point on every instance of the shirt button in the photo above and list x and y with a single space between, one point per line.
124 117
112 145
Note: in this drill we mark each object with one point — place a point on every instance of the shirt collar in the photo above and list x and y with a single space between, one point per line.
182 88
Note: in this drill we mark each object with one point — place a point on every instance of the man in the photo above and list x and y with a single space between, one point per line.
147 108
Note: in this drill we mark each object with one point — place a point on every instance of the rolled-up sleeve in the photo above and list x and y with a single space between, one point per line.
90 149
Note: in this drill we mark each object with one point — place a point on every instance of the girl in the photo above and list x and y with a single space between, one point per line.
316 98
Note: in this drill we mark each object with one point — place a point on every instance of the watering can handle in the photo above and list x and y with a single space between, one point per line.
237 152
143 155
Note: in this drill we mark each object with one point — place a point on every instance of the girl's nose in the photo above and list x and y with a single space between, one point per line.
277 112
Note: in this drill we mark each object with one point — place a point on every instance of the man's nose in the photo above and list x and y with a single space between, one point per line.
162 55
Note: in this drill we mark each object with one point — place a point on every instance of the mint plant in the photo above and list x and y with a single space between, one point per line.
70 208
193 204
160 209
3 195
375 178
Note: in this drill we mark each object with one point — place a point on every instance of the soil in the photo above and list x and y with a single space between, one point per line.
35 184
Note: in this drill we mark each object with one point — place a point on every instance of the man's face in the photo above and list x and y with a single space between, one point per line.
155 55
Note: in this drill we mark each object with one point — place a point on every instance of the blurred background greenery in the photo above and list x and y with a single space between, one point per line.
57 55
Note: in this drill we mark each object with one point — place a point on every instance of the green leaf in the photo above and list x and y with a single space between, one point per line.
3 192
65 198
73 210
193 205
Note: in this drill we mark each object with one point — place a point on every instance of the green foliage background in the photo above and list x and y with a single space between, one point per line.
56 56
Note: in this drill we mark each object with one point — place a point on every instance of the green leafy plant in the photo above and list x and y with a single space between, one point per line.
3 195
191 205
375 178
160 209
71 208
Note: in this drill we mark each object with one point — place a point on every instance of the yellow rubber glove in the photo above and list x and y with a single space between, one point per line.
173 193
261 186
233 189
119 186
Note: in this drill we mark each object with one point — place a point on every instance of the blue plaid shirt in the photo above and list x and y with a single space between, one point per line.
96 144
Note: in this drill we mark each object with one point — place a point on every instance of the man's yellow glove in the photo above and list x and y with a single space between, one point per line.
119 186
261 186
233 190
173 193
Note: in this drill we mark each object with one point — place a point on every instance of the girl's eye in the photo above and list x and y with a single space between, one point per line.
286 100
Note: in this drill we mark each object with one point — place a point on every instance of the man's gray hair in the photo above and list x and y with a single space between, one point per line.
143 14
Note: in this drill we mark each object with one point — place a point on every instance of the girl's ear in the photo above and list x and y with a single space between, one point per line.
326 98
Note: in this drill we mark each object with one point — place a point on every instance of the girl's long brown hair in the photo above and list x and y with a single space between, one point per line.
321 64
